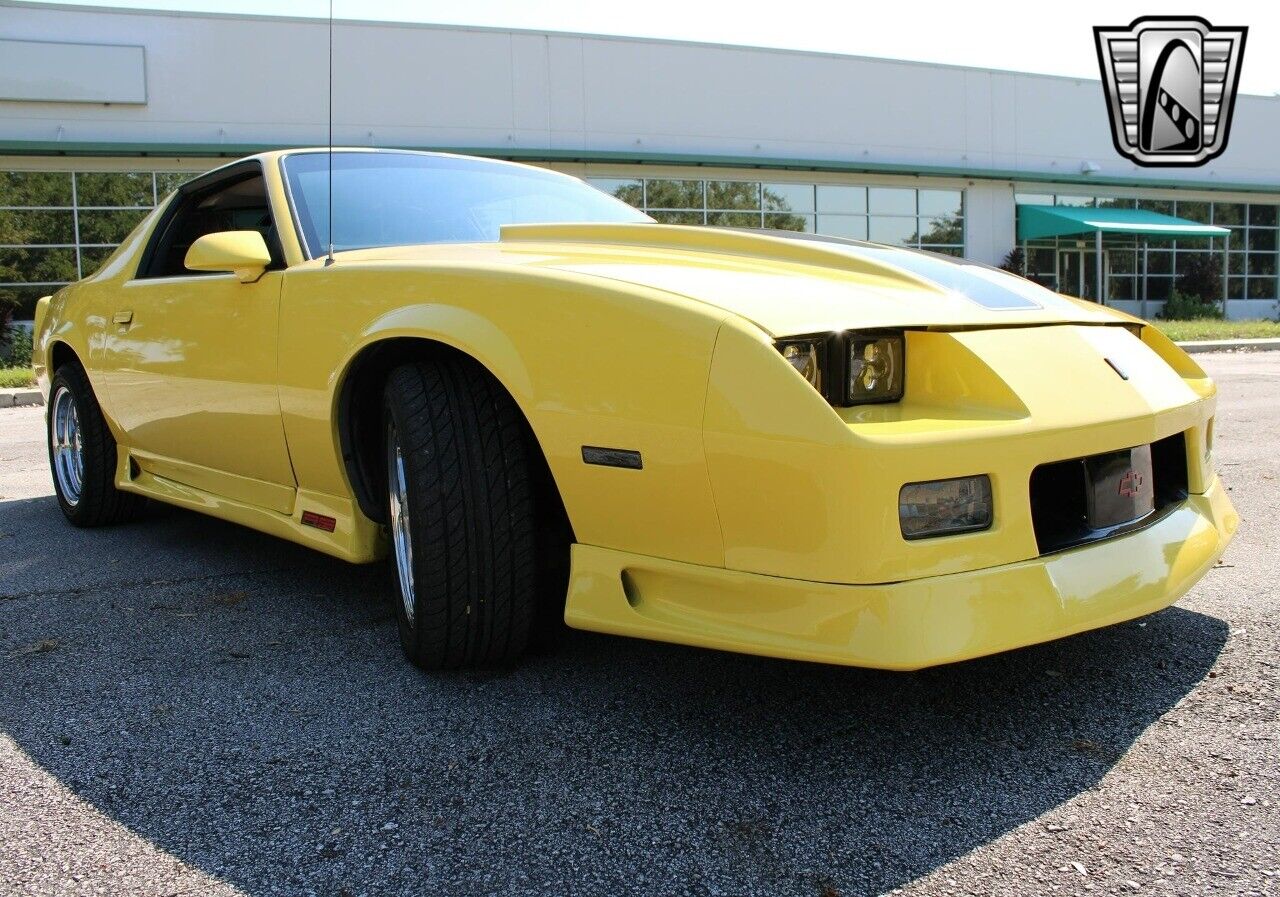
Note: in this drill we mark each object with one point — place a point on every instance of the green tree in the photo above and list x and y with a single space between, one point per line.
1014 262
1200 276
947 231
11 232
726 203
776 218
40 232
673 194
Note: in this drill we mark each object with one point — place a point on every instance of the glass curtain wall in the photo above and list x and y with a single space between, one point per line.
58 226
920 218
1252 264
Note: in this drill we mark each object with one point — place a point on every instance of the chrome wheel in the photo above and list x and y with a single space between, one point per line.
398 492
68 455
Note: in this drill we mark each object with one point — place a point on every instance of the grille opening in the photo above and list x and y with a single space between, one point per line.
1169 464
1059 502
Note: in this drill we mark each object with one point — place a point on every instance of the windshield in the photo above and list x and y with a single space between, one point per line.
398 199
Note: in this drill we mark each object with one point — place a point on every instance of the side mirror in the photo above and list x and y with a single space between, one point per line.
242 252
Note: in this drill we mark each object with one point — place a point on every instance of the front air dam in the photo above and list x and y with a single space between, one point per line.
903 625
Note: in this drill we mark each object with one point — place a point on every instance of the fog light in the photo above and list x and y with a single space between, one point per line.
944 507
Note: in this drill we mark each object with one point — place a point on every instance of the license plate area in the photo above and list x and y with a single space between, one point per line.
1081 500
1119 487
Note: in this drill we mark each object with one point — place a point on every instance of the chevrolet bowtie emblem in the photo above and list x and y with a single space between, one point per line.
1171 87
1130 484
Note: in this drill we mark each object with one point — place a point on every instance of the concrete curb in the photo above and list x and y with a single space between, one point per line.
19 398
1191 347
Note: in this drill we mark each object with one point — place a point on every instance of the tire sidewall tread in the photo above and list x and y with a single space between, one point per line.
101 503
472 514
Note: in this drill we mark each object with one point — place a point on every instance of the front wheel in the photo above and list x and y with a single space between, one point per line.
460 500
82 454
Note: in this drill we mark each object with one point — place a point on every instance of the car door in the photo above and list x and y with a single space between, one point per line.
189 358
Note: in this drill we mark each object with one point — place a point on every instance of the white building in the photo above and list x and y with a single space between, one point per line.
103 111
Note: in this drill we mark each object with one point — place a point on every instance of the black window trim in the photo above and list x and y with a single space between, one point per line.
225 176
293 207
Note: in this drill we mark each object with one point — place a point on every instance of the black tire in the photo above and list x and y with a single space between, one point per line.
469 487
99 502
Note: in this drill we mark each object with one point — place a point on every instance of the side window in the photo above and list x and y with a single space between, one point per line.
235 205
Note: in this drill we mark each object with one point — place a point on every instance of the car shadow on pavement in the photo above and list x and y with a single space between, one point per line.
242 703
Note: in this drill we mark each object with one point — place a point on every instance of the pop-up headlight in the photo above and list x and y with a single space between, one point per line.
875 369
850 368
807 356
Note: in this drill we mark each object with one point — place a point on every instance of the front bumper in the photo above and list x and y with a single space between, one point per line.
805 491
904 625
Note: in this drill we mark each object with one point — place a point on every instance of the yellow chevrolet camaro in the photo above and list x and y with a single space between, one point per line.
544 405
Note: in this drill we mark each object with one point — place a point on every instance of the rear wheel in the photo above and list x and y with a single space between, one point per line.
461 504
82 454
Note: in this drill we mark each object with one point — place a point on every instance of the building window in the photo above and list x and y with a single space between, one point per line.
906 216
1252 266
59 226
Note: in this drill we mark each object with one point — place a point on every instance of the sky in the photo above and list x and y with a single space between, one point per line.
1044 37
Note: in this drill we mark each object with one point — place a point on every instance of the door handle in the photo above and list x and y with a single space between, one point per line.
123 317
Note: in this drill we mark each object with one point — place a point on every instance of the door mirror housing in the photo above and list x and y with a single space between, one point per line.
242 252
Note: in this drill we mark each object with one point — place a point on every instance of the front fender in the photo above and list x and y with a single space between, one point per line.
589 362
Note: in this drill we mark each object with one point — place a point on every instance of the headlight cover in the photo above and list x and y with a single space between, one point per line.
808 357
875 369
855 368
945 507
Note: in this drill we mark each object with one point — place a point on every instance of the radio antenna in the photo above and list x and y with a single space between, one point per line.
329 260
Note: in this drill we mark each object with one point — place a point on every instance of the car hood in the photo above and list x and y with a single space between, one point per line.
785 283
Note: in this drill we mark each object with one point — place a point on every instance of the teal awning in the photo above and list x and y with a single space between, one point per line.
1035 222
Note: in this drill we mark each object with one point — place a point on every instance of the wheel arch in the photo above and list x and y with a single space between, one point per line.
60 352
358 410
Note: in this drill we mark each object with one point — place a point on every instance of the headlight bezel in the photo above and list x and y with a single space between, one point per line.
834 353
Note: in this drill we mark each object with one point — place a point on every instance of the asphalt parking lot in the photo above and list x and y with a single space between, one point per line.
187 707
